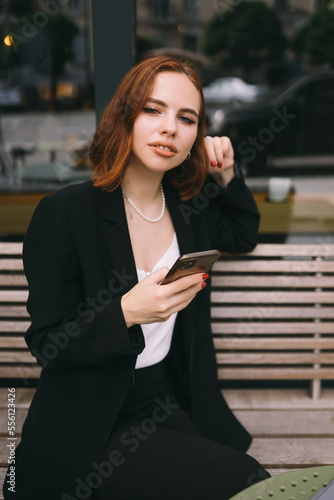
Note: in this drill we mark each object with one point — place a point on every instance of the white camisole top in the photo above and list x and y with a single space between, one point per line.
158 336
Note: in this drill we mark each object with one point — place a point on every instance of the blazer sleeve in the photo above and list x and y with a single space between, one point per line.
233 217
64 331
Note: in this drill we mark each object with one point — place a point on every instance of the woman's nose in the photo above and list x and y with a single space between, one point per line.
168 126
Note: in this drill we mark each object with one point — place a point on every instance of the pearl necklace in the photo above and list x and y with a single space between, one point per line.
141 214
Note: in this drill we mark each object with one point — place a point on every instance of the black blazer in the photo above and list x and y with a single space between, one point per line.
78 261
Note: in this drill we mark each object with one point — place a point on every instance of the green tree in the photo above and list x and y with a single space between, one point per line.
316 38
245 35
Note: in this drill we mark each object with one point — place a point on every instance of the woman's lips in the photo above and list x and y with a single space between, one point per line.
162 152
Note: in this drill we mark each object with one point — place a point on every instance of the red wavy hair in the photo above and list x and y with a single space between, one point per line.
112 142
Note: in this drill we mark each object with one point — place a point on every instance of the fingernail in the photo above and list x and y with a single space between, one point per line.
203 284
205 276
213 164
220 165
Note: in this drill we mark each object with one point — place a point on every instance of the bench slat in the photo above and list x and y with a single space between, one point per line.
13 296
13 312
275 281
247 328
291 250
285 423
294 451
271 373
11 248
274 266
11 265
12 342
279 470
14 326
276 297
13 280
280 344
2 478
17 357
272 399
20 371
262 312
275 358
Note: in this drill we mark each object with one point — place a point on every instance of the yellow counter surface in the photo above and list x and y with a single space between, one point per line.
301 213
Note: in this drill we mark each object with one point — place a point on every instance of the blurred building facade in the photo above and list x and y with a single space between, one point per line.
25 19
179 23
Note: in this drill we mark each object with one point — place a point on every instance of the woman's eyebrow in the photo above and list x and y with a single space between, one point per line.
183 110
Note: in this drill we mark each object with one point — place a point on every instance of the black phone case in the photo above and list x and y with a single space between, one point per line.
191 263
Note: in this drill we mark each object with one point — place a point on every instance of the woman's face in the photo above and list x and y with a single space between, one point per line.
166 128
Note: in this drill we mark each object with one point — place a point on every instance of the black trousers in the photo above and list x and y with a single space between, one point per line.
156 452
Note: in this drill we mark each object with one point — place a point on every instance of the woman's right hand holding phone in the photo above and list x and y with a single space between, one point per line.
149 302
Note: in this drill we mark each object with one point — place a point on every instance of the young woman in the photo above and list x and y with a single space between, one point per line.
128 405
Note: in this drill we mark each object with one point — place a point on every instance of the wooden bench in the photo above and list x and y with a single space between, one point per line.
273 314
273 324
273 327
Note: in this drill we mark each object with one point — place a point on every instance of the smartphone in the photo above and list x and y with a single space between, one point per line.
191 263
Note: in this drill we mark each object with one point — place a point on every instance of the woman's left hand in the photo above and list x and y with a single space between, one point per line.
221 157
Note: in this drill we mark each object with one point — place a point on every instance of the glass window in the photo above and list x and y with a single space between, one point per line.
46 103
161 8
268 85
267 72
75 5
191 6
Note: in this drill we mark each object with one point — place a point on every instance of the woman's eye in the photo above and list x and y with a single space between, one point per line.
151 111
186 119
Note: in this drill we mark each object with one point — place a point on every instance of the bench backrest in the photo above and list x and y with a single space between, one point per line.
15 360
272 314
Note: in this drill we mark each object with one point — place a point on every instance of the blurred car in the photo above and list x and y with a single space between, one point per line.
289 131
227 92
231 89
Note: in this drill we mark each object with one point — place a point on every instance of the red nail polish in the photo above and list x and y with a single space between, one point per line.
205 276
220 165
213 164
203 284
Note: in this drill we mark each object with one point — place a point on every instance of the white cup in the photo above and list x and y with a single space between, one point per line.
278 189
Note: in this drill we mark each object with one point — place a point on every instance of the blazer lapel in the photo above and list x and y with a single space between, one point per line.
117 239
183 229
186 243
